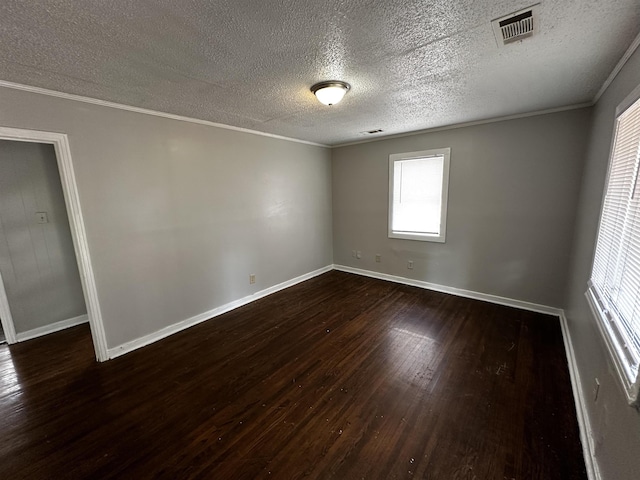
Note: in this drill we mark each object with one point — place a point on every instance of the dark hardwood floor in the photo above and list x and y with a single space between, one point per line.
341 377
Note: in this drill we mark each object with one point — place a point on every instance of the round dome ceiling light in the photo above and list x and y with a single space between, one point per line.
330 92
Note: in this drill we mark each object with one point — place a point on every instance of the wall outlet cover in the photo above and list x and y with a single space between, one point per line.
42 217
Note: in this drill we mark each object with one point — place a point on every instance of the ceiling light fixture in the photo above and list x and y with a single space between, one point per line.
330 92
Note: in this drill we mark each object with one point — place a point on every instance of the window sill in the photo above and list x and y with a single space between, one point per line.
630 389
419 237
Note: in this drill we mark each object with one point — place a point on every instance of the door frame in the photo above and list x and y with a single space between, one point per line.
60 143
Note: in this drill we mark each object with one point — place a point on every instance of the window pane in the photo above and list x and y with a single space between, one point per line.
417 195
615 277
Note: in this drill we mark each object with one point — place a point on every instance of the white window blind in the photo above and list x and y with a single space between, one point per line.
615 279
417 195
418 184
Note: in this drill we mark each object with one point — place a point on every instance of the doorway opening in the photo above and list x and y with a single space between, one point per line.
75 300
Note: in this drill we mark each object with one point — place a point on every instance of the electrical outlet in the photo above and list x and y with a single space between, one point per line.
378 258
596 390
353 253
410 264
252 278
42 217
358 254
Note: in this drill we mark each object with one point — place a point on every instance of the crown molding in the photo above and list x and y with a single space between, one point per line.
146 111
621 63
469 124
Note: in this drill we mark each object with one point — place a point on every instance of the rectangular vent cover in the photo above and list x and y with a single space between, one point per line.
516 26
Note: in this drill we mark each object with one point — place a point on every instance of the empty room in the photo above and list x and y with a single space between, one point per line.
326 240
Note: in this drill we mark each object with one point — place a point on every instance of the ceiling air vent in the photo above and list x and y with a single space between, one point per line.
371 132
516 26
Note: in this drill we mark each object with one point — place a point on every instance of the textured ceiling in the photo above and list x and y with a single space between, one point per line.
249 63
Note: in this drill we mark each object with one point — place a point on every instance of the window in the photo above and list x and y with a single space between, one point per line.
614 287
418 185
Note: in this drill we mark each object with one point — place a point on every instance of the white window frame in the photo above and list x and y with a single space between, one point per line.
612 335
424 237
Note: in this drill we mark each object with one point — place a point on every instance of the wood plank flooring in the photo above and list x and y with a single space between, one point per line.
340 377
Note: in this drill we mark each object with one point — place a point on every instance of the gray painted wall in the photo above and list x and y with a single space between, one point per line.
178 214
37 261
616 426
512 198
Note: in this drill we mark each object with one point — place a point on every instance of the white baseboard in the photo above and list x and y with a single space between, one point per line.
54 327
190 322
586 435
486 297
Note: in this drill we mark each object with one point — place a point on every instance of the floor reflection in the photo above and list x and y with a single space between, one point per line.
9 382
413 355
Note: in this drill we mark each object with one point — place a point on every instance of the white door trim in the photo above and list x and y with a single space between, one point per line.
60 143
5 316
